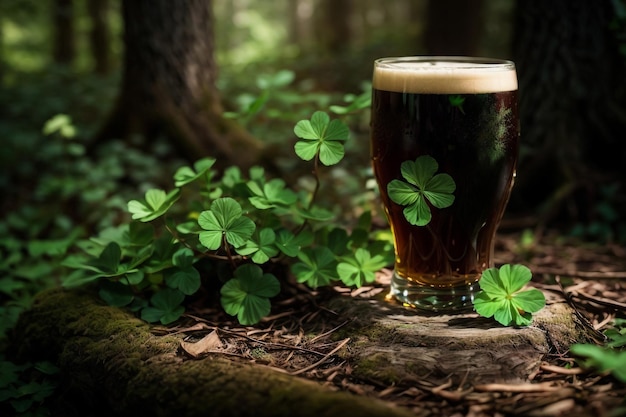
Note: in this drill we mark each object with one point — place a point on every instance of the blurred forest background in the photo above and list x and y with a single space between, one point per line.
103 99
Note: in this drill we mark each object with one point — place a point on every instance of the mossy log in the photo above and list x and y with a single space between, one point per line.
112 364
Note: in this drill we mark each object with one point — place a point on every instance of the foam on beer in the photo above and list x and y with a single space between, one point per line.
443 77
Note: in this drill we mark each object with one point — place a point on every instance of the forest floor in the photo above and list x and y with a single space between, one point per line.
592 278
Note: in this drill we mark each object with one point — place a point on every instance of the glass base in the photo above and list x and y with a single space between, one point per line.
437 300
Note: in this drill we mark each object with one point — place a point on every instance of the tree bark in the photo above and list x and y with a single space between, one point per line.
99 36
168 84
572 103
64 49
334 30
453 27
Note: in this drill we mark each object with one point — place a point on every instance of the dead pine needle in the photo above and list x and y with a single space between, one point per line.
328 355
541 387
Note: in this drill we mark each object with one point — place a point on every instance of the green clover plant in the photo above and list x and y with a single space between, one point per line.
421 186
232 229
321 138
610 358
503 298
247 294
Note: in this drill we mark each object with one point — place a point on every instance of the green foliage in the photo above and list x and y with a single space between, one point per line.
25 387
502 298
422 186
245 224
610 358
602 359
606 224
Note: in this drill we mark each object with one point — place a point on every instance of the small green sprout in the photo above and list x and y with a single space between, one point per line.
502 298
422 186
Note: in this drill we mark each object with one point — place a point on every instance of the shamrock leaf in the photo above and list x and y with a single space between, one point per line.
502 298
156 203
457 101
261 246
115 294
271 194
317 267
247 294
166 307
361 268
290 244
185 175
421 186
225 221
183 276
321 136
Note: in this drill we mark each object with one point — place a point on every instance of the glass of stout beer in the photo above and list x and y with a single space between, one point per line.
444 146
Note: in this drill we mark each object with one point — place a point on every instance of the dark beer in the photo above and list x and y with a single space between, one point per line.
464 115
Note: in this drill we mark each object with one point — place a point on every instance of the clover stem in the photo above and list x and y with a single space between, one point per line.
229 255
316 162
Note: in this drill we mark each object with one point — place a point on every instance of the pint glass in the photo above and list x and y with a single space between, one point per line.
444 146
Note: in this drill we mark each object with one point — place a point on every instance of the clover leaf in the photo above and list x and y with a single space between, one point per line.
116 294
290 243
247 294
361 268
501 295
421 187
183 276
271 194
321 136
185 175
166 307
225 220
317 267
603 359
155 204
261 246
457 101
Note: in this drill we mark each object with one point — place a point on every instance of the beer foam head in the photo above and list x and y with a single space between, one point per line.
444 75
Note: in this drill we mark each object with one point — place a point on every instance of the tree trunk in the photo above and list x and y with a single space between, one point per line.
572 103
333 28
168 83
100 36
453 27
63 50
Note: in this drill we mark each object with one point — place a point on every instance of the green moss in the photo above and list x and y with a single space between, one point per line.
377 367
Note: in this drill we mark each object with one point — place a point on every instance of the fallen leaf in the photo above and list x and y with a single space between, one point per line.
208 343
